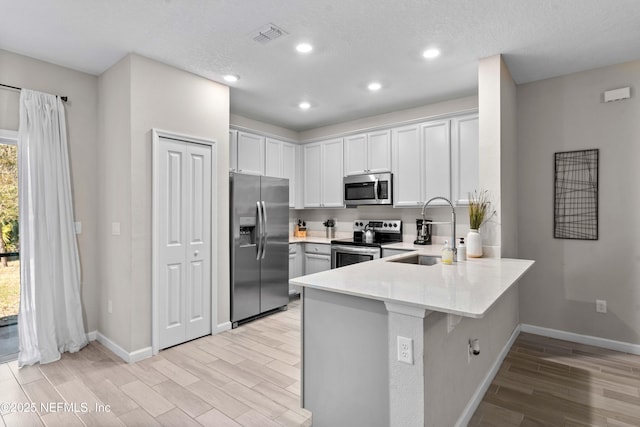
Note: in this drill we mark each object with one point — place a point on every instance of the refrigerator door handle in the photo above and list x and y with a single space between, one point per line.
260 231
264 229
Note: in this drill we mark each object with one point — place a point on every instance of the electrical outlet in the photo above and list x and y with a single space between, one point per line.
405 350
601 306
109 307
78 226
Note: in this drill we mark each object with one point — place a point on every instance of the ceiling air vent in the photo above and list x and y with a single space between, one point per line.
268 33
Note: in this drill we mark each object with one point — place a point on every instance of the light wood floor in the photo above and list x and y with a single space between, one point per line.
548 382
249 376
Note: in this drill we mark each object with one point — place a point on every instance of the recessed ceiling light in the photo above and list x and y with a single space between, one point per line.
304 105
231 78
304 48
431 53
374 86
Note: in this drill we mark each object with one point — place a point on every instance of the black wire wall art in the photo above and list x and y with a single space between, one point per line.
576 195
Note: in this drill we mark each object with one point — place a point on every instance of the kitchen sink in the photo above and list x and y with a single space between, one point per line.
419 259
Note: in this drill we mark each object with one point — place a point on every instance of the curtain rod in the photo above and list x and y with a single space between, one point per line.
64 98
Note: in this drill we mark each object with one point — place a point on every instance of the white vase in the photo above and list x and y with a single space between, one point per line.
474 244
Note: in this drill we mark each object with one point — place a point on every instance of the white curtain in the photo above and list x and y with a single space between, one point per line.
50 317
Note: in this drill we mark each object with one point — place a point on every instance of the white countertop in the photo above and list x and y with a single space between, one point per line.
310 239
467 288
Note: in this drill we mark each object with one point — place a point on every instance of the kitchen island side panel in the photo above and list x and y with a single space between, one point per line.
345 367
451 375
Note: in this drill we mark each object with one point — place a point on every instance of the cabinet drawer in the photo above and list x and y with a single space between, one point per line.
317 248
293 248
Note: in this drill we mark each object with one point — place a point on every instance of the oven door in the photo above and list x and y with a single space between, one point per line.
342 255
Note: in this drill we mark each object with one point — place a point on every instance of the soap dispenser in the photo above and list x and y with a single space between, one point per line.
462 250
447 253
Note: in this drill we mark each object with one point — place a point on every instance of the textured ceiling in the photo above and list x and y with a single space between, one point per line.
355 42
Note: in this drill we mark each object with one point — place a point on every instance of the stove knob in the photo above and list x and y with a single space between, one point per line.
385 224
395 224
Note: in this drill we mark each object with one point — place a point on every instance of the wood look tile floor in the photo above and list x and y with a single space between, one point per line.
548 382
249 376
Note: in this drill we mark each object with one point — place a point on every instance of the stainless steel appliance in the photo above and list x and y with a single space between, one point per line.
357 249
259 245
423 230
368 189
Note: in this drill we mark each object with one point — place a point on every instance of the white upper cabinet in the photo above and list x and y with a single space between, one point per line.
428 157
437 160
465 143
367 153
233 150
312 155
251 155
280 161
332 182
323 173
407 166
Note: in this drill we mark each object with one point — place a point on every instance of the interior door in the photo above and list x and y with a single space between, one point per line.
184 240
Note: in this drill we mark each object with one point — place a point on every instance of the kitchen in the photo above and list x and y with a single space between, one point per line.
558 294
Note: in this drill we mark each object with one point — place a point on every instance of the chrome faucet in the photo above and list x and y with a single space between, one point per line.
453 222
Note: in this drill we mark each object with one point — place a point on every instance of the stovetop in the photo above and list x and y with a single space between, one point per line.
386 231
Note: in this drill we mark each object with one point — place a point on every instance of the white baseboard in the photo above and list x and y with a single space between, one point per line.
473 404
221 328
131 357
92 336
582 339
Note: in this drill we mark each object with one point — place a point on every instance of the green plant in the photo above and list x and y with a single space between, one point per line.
479 202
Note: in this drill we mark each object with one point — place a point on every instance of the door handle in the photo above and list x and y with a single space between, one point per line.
375 189
260 231
264 229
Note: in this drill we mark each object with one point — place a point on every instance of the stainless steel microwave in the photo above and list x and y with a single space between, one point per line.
368 189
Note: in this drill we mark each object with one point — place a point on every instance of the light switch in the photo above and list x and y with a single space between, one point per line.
78 226
115 228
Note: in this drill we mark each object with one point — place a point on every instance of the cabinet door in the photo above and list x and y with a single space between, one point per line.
465 142
233 150
289 170
316 263
312 159
273 158
437 160
355 154
379 152
250 153
332 174
407 166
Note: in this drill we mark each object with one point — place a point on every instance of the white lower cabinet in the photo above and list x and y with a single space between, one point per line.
317 257
296 265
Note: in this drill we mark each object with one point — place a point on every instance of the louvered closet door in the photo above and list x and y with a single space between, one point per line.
184 253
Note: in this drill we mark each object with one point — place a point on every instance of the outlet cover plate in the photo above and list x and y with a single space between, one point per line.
405 350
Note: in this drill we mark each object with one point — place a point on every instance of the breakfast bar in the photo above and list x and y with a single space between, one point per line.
387 342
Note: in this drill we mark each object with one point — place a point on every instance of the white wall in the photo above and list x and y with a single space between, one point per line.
82 119
498 175
559 292
166 98
114 174
431 111
240 122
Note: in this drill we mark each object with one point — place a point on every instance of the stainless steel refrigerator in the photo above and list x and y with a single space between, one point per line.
259 240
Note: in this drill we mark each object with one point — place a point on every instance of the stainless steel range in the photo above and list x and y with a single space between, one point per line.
366 244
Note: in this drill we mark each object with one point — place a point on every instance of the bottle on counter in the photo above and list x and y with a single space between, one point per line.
462 250
447 253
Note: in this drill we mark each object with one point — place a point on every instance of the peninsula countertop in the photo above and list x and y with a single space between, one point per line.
466 288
